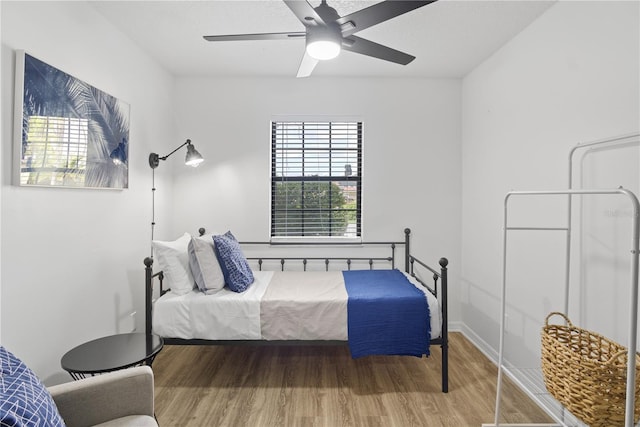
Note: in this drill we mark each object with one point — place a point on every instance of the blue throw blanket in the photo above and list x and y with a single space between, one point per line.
387 314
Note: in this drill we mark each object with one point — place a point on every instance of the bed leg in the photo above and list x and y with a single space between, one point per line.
445 366
445 331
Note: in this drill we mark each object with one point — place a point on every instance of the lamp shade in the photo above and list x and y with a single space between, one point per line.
193 158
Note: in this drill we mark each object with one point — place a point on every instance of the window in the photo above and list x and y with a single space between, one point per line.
55 151
316 179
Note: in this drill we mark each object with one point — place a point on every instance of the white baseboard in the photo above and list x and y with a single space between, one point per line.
455 326
521 383
480 344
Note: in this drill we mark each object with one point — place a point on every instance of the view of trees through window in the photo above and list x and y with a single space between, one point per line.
316 179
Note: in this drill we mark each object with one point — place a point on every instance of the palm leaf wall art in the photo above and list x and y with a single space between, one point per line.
68 133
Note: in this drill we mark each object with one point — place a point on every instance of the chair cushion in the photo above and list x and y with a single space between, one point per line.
24 400
131 421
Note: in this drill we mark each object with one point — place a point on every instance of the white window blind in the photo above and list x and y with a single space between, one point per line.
316 179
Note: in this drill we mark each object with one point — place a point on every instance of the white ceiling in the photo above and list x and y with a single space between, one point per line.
448 38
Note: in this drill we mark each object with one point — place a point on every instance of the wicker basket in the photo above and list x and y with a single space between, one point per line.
587 373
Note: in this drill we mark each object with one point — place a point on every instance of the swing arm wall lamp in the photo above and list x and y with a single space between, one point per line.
193 158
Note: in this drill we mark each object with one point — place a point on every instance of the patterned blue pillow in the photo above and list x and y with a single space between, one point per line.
24 400
235 268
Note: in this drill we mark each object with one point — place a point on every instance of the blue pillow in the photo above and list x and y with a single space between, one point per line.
235 268
24 400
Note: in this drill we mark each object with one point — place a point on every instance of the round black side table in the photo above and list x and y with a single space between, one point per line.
111 353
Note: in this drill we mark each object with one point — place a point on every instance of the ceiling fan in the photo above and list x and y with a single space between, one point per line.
327 33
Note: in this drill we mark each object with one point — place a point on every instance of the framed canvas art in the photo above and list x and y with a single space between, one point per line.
67 132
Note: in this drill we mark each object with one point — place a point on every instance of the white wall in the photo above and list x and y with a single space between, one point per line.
71 258
411 149
570 77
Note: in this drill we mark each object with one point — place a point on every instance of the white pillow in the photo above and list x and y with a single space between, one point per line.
204 265
173 260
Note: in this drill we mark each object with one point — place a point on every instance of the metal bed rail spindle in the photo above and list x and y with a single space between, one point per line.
326 261
436 275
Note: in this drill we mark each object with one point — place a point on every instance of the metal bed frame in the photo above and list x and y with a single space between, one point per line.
413 266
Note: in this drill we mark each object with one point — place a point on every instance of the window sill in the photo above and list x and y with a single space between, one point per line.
310 241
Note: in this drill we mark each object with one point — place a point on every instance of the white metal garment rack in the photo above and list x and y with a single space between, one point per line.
563 419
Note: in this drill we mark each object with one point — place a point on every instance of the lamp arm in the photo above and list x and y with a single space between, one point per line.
187 142
154 158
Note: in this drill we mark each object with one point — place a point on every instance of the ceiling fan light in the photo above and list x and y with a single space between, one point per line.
323 49
324 42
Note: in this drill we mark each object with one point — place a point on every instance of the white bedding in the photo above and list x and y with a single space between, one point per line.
227 315
301 305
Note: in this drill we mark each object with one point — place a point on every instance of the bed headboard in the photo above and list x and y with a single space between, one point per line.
345 261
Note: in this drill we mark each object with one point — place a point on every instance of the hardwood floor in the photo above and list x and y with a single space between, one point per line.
323 386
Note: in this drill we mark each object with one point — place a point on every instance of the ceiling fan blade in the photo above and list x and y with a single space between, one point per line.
306 66
257 36
305 12
379 12
366 47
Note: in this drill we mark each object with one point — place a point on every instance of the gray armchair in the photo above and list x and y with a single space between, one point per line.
120 398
